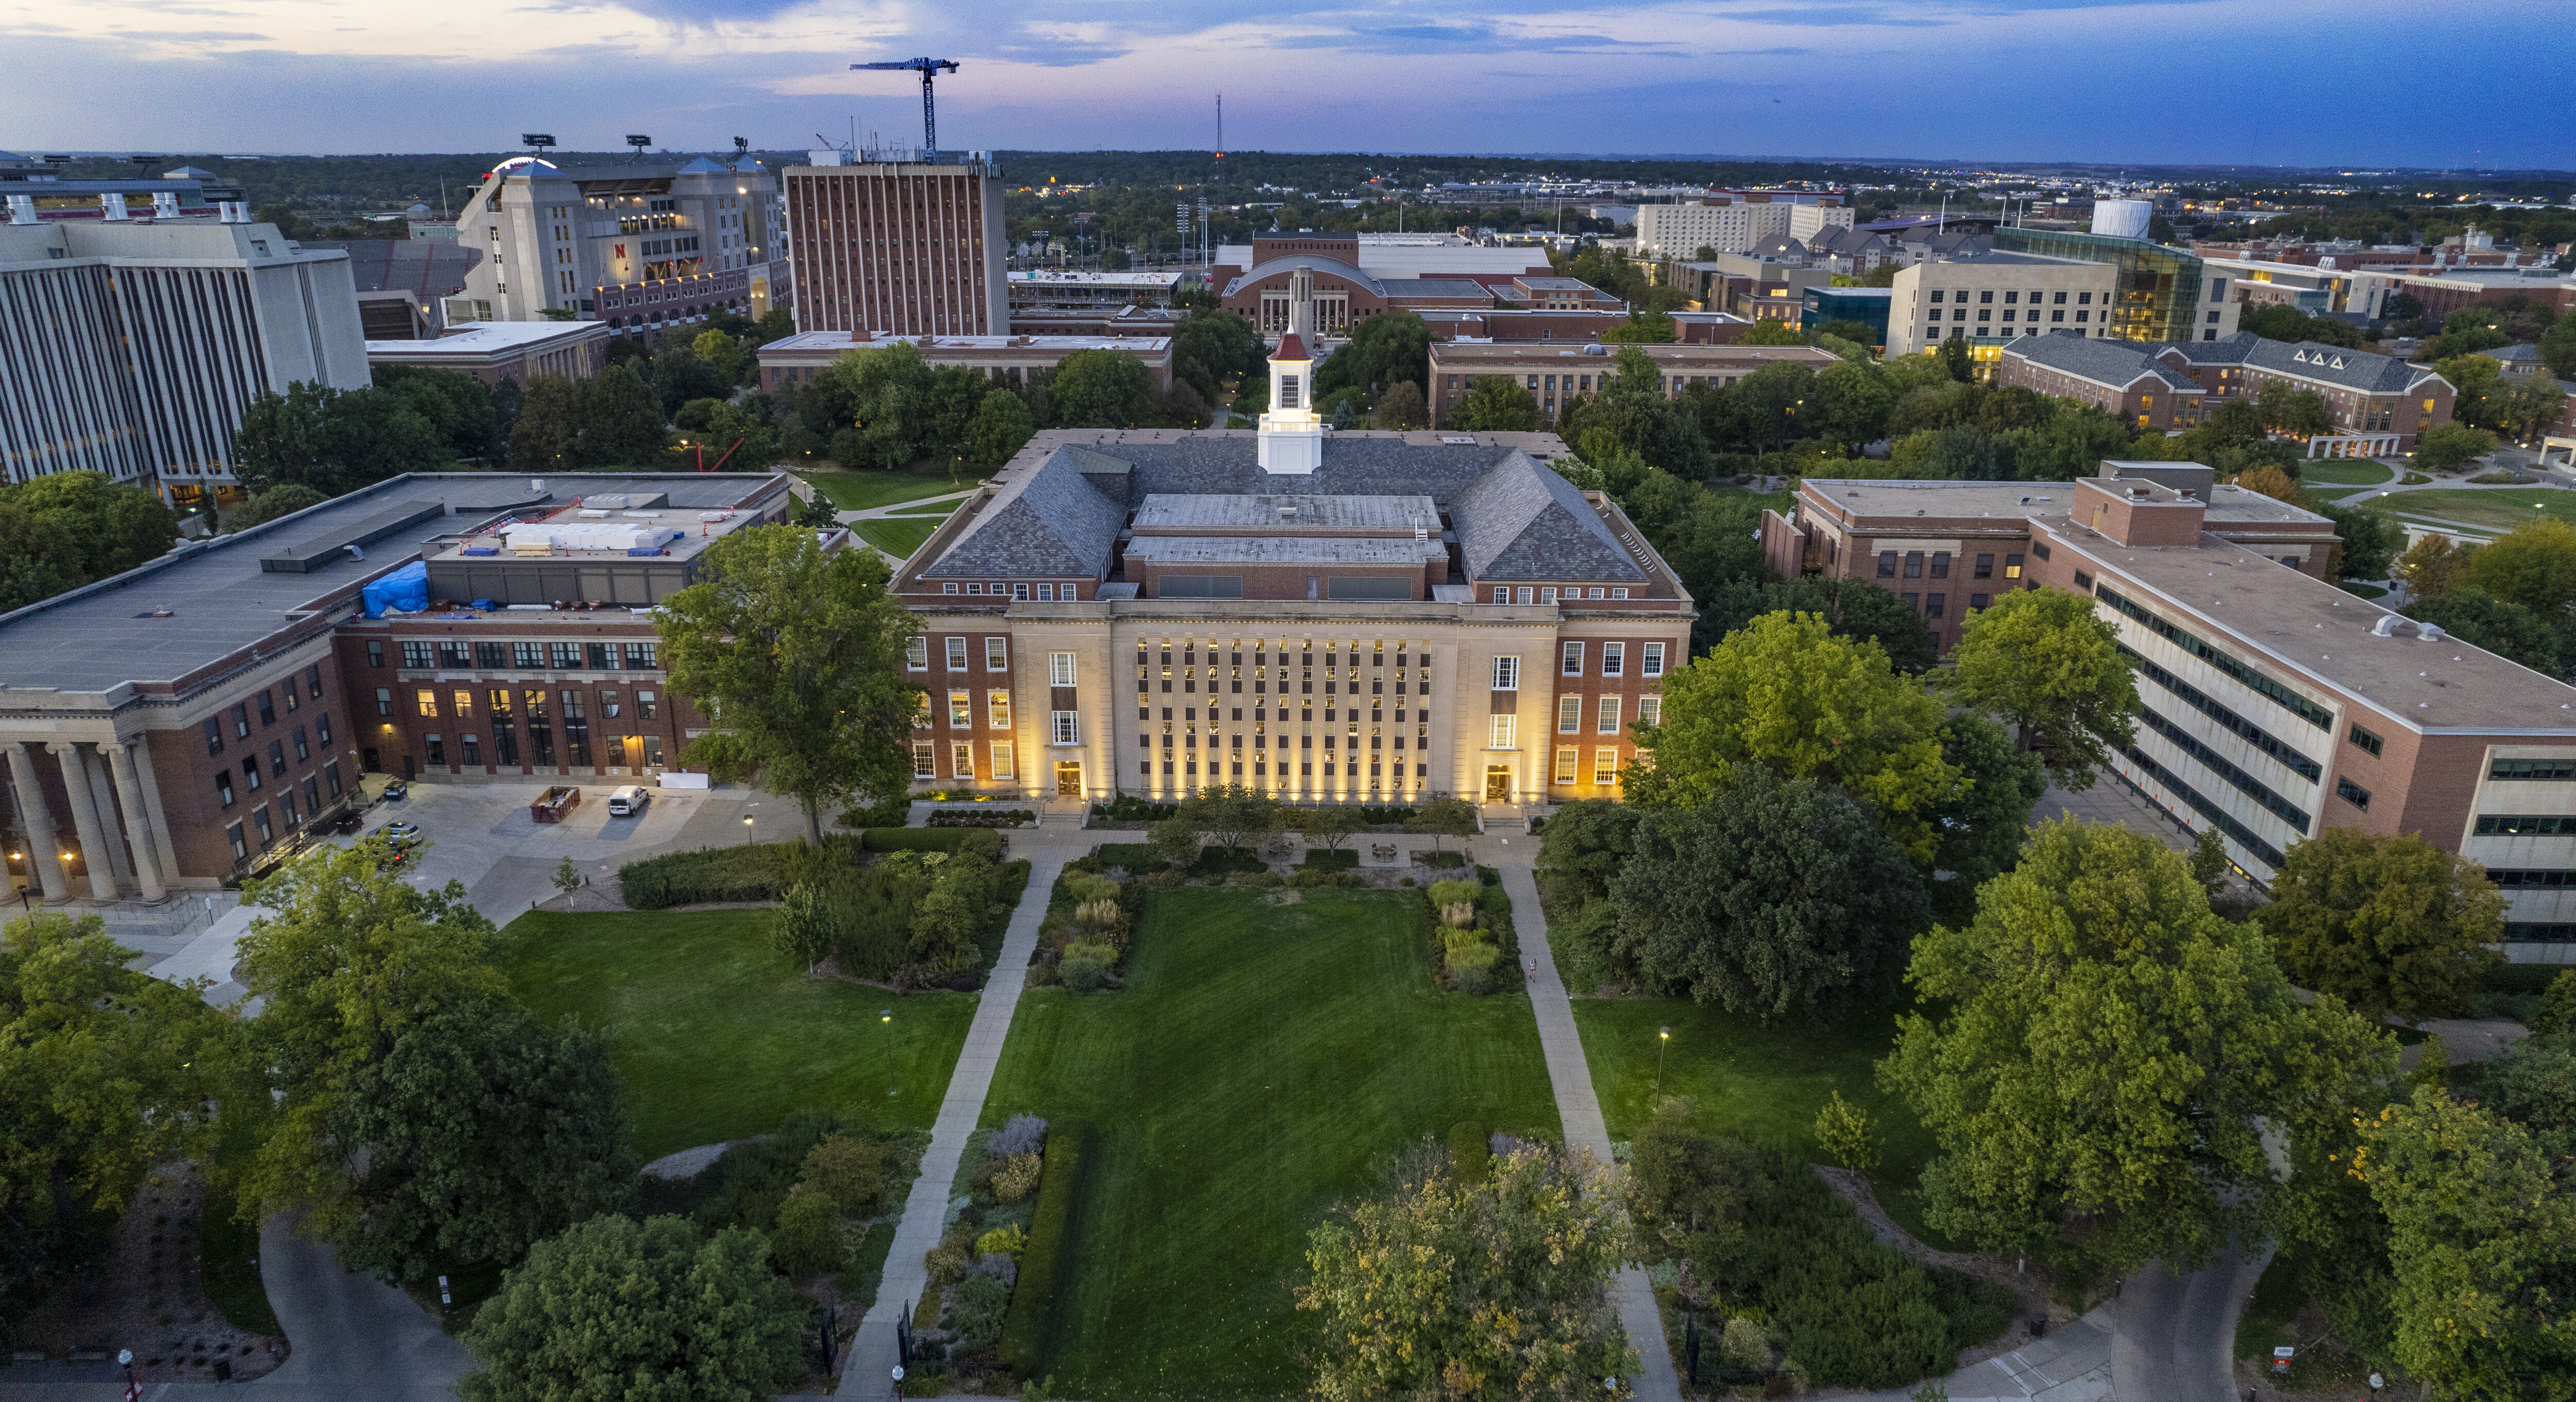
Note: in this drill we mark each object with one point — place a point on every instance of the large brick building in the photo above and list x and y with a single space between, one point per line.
2377 398
189 720
914 248
1556 375
2274 704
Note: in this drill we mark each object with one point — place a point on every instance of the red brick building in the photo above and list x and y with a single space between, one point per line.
909 248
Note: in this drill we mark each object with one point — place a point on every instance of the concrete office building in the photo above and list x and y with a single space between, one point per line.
192 719
36 192
1389 257
2164 294
2274 705
797 359
493 351
1557 375
1992 298
637 246
1734 221
133 348
904 247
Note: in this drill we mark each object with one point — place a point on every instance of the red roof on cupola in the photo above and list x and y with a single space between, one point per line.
1290 348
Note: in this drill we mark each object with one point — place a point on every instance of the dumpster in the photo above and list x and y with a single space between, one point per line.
558 801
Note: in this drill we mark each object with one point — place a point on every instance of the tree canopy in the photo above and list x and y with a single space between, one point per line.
66 529
1382 351
1103 389
2387 924
796 656
2045 660
334 440
1496 404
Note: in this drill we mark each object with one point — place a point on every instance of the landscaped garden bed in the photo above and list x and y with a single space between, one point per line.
980 818
1263 1061
177 1282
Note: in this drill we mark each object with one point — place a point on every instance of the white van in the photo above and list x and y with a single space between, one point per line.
629 801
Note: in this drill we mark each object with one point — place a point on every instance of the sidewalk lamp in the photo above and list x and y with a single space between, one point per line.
885 1016
2376 1383
1663 1039
746 830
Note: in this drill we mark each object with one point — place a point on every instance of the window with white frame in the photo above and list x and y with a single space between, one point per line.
1650 710
921 712
1614 659
961 760
1653 665
1609 715
1605 766
1569 714
956 654
1065 728
1566 757
1002 763
1572 665
997 654
1506 732
961 709
997 710
925 760
1507 674
1059 669
916 653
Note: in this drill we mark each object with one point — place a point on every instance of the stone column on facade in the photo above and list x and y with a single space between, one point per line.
102 796
163 849
93 836
138 824
44 849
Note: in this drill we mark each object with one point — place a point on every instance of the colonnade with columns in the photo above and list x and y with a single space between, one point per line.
109 787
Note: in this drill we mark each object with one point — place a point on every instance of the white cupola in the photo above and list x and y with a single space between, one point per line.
1291 437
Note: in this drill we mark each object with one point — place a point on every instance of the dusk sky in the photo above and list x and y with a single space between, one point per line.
2297 82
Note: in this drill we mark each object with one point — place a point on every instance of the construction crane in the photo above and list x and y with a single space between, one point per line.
929 115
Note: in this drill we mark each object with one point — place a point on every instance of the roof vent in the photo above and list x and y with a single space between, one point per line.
2430 632
2386 627
1288 511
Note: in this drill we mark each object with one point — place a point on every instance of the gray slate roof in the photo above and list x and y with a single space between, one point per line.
1051 521
1273 514
2350 369
2116 363
1525 522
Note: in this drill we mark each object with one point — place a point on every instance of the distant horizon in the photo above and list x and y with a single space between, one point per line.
2304 85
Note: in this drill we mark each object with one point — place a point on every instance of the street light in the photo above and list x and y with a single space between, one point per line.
886 1017
746 830
1663 1039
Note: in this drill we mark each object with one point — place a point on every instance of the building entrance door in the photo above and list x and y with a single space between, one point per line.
1498 783
367 762
633 757
1068 778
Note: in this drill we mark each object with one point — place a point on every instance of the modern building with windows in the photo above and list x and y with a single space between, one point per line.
2374 403
193 719
1990 299
637 246
1733 221
2274 704
1557 375
1867 305
2163 294
908 247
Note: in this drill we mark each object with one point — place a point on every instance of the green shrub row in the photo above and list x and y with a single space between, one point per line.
980 817
747 873
917 839
1136 858
1047 1266
1324 859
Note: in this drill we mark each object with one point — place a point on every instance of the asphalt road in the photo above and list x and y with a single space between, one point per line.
2173 1338
353 1335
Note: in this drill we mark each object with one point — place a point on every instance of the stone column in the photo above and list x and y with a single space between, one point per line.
138 824
164 850
93 834
102 796
44 850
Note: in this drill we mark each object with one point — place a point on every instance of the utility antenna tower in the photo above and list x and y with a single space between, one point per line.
1217 171
929 113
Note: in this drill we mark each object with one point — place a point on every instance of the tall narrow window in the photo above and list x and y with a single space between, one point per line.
576 725
1059 669
1605 766
997 654
1505 732
1653 663
956 649
961 760
1566 758
1573 663
1507 674
1569 714
1609 715
1002 762
1614 659
997 710
961 710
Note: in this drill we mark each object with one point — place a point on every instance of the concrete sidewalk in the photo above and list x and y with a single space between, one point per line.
867 1370
2073 1364
1576 1103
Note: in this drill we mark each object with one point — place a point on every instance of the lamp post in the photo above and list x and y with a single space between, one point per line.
1663 1039
133 1385
885 1016
746 830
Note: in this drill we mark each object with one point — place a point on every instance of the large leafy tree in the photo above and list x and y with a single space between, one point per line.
795 655
1383 350
485 1132
2387 924
1983 828
1211 346
103 1072
1231 814
2045 660
2106 1053
1851 403
614 1310
1103 389
1775 894
1495 404
1480 1291
334 440
1632 414
1001 427
1853 608
66 529
466 414
1783 693
2533 565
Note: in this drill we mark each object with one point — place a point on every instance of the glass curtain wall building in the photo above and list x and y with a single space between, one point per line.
2160 289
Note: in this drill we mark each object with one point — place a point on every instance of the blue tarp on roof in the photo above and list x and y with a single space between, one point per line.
406 590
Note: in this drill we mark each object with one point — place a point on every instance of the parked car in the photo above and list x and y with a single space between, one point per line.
347 822
396 789
398 835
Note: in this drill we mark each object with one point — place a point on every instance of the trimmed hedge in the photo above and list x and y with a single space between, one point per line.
980 817
1326 859
1047 1266
747 873
915 839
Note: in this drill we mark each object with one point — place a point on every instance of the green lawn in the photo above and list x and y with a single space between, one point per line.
896 538
1756 1082
936 508
719 1036
2501 508
1258 1066
858 491
2331 493
2350 472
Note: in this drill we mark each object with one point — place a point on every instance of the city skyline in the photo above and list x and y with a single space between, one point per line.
2220 82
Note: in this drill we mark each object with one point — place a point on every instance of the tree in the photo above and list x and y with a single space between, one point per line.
1775 894
2558 348
1645 326
720 352
1103 389
1495 404
1983 827
1784 694
1401 407
284 500
868 405
348 962
1211 346
2106 1052
2271 481
615 1309
484 1132
1760 411
2509 631
1174 841
333 440
2209 861
104 1071
1385 350
1332 825
1443 816
1954 359
2431 567
806 1240
2288 410
1852 608
795 655
2476 382
1000 429
1858 333
2045 660
1851 403
1482 1292
805 929
2482 1238
1771 331
1580 852
1235 816
2387 924
2366 542
62 530
618 418
2446 446
1842 1131
546 436
2533 565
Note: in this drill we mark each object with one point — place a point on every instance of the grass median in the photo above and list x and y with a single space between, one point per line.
861 491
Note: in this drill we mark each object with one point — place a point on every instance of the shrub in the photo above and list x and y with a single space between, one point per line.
1133 857
917 839
1475 983
1467 1151
807 1238
851 1172
1082 975
996 1265
980 817
751 1181
1451 892
976 1316
1016 1178
1009 1241
1443 860
949 1259
749 873
1100 952
888 812
1104 915
1020 1134
1744 1345
1046 1267
1842 1130
1473 955
1489 877
1324 859
981 842
1127 808
1088 889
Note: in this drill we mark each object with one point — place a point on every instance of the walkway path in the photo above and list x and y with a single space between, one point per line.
867 1371
1576 1102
